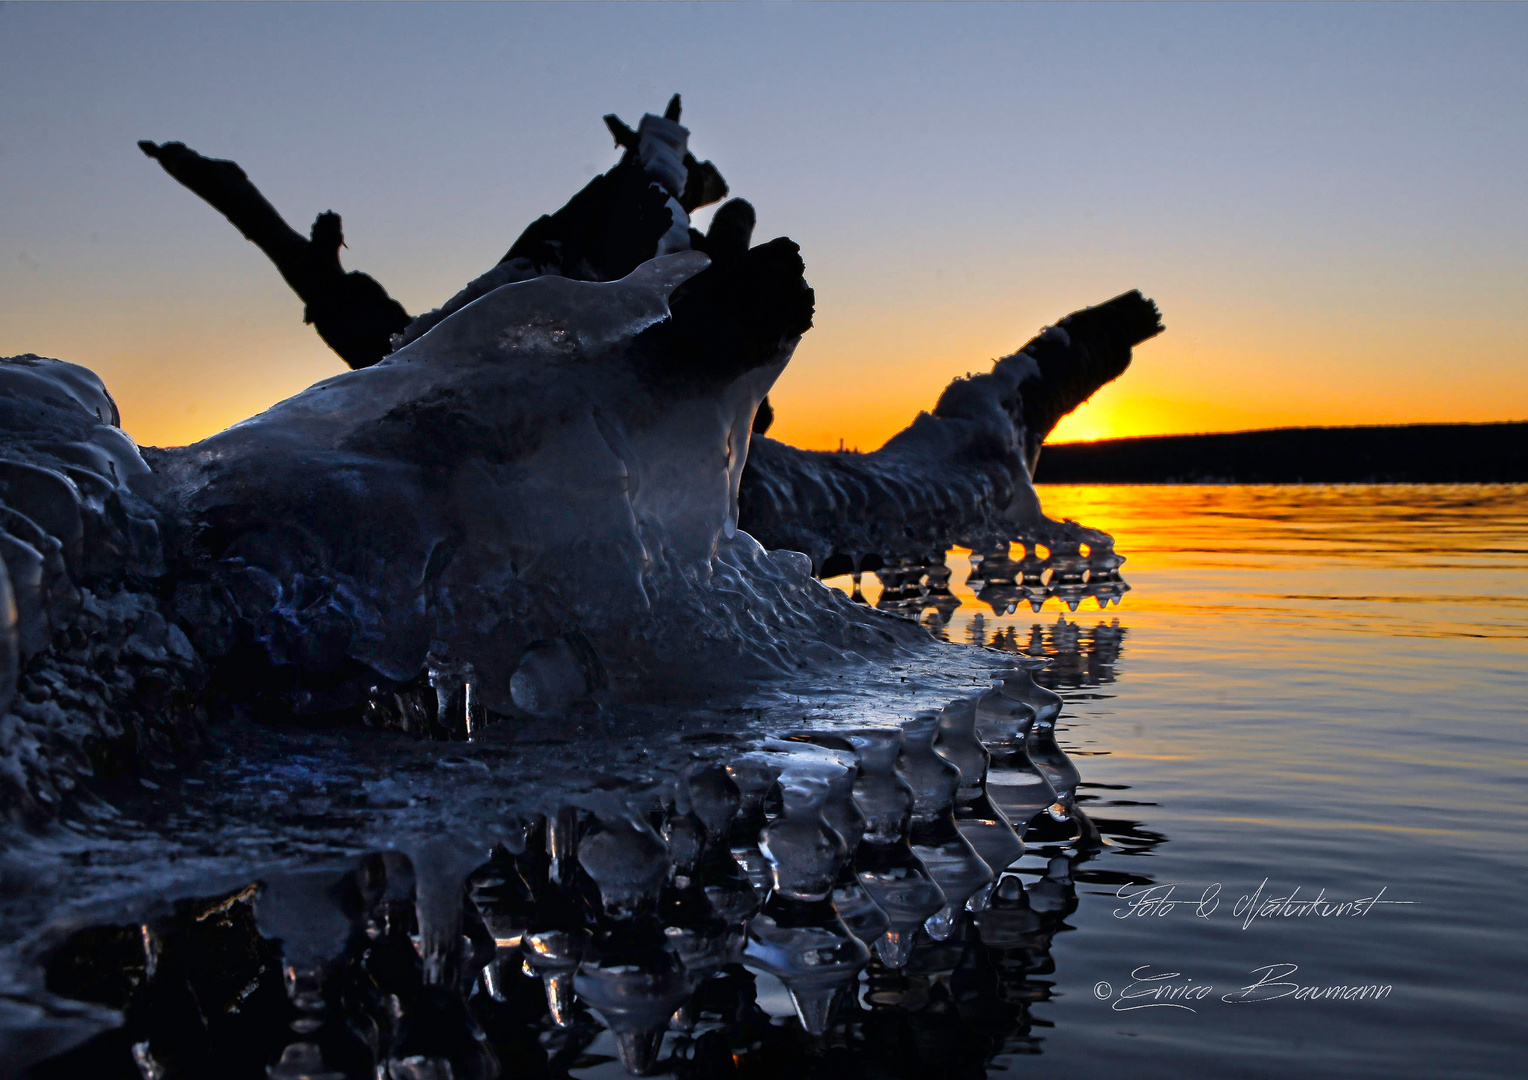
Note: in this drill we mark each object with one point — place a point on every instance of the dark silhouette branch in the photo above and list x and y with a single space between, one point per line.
352 312
957 475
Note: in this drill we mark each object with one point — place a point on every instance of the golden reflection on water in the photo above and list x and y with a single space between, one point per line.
1315 687
1437 560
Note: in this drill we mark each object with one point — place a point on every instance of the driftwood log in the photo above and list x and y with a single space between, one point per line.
848 511
539 497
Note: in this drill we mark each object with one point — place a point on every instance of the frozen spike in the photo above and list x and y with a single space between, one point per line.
861 914
559 996
815 1006
895 947
638 1050
561 842
627 860
884 865
683 1018
943 923
932 779
493 979
476 712
634 982
933 834
980 821
553 955
982 898
1020 685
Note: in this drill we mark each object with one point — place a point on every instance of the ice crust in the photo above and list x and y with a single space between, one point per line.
512 483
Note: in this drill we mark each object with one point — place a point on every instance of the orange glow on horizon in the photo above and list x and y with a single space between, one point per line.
1322 373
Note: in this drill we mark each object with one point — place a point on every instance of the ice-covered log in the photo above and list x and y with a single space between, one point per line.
957 475
93 679
531 506
536 497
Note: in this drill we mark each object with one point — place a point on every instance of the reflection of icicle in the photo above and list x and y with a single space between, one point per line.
979 820
886 866
631 975
304 909
934 836
627 903
799 936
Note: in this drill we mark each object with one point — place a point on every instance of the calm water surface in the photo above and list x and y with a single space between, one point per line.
1315 688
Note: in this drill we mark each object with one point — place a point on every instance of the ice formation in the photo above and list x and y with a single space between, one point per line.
537 517
626 903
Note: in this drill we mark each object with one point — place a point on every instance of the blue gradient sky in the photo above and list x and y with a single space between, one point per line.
1327 201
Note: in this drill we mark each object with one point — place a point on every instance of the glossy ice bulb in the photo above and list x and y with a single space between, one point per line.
885 865
1008 922
1031 577
1014 783
627 861
1068 569
1055 892
634 981
979 820
799 937
1020 685
804 852
933 835
754 780
714 799
854 904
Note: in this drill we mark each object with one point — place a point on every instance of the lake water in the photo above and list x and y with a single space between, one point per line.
1322 689
1301 735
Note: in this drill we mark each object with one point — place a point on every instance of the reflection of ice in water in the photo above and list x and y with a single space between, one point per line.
980 597
645 944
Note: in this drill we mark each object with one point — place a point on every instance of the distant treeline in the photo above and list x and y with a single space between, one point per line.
1400 454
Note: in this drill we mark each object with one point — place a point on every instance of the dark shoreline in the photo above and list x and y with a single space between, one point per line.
1392 454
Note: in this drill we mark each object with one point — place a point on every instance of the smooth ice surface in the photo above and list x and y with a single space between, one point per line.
517 495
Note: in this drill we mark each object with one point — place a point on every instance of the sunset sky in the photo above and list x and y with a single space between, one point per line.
1326 201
